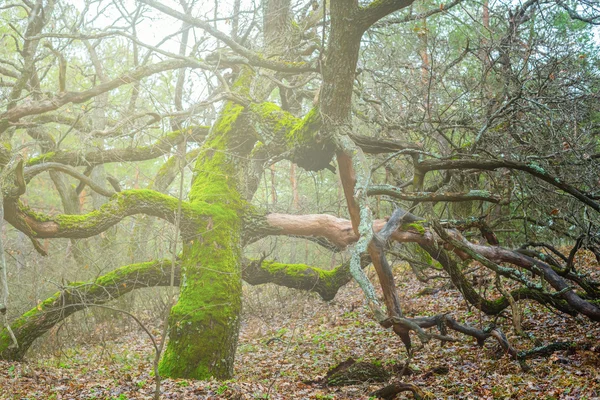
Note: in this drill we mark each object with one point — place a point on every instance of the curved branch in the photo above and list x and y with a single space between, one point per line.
419 16
499 255
397 193
8 72
490 307
296 139
118 127
170 169
30 172
531 168
372 145
253 58
76 121
61 99
593 20
157 149
77 296
300 276
379 9
120 205
339 232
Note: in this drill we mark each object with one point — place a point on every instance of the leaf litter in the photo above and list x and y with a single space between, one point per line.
289 341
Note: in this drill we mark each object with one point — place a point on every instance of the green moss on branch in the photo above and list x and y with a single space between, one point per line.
121 205
299 276
77 296
301 140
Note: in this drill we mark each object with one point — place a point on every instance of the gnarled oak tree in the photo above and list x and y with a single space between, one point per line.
461 130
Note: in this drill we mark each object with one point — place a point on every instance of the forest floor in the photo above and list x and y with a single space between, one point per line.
289 339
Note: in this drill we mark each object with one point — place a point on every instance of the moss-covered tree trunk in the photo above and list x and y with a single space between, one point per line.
204 324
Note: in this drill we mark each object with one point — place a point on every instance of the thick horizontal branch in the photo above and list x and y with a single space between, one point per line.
160 147
397 193
339 232
300 276
531 168
372 145
79 295
120 205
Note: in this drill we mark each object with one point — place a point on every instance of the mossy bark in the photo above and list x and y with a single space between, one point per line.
301 276
204 324
77 296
